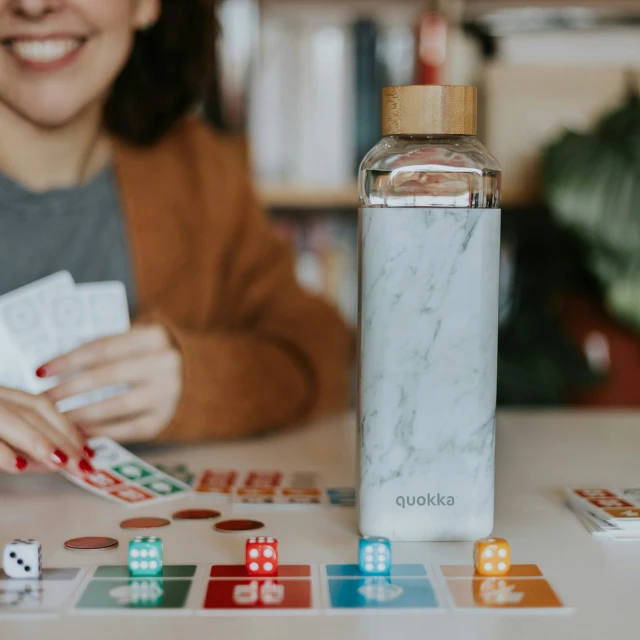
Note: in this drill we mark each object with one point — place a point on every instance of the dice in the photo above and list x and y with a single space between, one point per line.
261 556
145 557
22 559
374 556
492 557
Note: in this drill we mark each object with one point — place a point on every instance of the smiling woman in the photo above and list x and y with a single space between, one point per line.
104 174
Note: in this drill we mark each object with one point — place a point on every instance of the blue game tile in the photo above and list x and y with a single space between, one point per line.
397 570
382 593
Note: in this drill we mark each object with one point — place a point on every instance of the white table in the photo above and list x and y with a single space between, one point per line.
538 454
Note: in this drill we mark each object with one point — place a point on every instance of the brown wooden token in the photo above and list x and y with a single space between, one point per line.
144 523
196 514
91 543
229 526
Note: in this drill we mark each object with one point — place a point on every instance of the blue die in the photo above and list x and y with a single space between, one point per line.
374 556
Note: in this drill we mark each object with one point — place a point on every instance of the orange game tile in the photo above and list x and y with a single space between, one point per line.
504 593
468 571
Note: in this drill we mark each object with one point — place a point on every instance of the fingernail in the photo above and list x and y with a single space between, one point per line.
60 457
85 467
89 452
21 463
42 372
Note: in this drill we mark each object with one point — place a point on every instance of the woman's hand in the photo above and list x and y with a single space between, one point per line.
146 360
33 432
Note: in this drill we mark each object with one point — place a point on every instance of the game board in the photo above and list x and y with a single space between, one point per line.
333 589
48 597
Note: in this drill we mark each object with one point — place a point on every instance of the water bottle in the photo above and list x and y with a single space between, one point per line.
429 255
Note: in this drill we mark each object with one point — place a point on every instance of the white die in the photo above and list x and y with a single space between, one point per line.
22 559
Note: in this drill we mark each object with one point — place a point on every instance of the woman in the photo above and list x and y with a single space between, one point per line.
102 173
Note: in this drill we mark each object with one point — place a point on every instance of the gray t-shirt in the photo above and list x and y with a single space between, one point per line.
80 230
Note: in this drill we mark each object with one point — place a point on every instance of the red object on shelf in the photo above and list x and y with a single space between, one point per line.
591 325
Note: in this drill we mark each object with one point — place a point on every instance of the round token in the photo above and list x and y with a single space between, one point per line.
196 514
238 525
144 523
91 543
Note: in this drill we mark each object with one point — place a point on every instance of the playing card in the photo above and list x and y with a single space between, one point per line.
619 507
122 477
14 372
23 316
87 313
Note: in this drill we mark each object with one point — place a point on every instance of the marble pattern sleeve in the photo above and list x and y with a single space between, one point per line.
427 371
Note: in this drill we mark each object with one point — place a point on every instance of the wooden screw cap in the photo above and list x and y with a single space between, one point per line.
429 109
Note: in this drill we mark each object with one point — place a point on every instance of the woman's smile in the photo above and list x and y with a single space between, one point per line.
44 53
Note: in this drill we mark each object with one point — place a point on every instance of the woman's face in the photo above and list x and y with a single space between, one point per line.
60 57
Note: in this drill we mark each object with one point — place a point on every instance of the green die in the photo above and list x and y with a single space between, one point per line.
145 557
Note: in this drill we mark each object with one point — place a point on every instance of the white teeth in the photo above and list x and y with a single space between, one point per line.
44 50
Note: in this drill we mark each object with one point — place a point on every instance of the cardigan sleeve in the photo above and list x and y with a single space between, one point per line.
285 358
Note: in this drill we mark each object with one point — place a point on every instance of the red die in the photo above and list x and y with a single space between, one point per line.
262 556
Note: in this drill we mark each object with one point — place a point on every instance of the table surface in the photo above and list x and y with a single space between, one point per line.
538 453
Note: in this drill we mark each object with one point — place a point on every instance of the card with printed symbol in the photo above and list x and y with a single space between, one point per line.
619 507
24 322
122 477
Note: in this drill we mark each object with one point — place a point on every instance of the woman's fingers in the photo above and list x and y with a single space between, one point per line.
11 461
140 340
25 430
46 408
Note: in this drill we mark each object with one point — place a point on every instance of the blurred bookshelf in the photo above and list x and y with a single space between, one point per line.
301 81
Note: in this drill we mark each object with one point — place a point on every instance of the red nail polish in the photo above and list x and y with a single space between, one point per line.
21 463
89 452
60 457
42 372
85 467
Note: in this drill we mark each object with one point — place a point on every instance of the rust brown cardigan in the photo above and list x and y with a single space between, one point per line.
258 351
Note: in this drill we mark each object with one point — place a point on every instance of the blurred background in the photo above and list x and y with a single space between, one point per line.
298 86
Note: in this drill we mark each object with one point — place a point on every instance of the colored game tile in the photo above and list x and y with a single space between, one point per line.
240 571
263 479
260 593
468 571
382 593
102 480
168 571
503 593
397 570
594 493
610 503
135 593
133 471
628 513
131 495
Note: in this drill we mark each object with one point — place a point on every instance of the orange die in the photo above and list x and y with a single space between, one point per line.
492 557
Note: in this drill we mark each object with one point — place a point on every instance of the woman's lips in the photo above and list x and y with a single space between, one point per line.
44 54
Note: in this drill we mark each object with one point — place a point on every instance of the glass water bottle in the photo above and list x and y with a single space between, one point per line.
429 246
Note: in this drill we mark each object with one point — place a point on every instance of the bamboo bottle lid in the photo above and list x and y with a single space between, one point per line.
429 109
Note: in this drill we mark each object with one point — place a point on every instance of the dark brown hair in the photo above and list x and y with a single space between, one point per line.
170 68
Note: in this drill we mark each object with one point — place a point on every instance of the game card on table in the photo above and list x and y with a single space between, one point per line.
122 477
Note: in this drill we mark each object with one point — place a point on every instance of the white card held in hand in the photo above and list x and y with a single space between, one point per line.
24 317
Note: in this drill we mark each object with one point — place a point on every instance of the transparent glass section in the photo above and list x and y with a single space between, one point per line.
430 171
